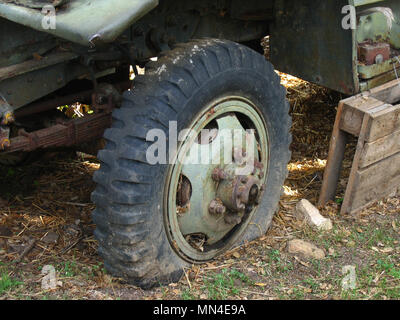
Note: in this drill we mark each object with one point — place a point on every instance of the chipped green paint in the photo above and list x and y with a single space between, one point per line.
359 3
85 22
368 72
374 26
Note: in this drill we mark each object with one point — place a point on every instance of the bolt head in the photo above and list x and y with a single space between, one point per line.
218 174
216 207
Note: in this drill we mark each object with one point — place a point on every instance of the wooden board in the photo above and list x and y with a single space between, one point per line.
384 122
353 113
353 182
336 154
375 182
380 149
389 92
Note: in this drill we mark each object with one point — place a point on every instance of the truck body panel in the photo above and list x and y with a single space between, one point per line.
82 21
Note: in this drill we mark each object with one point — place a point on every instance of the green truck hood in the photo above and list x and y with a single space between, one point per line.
87 22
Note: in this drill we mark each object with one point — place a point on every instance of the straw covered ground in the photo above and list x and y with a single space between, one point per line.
45 220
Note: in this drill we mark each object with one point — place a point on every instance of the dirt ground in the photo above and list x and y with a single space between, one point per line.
45 207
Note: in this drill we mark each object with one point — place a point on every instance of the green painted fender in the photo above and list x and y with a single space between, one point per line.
85 22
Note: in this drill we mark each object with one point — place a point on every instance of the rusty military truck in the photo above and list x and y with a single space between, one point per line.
158 209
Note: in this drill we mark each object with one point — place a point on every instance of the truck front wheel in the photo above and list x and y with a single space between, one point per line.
218 180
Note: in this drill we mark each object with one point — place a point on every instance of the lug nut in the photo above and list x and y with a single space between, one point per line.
218 174
216 207
258 165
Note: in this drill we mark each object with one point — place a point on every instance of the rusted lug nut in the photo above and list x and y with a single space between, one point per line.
218 174
259 165
216 207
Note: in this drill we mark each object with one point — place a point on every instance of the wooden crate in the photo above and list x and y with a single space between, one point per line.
373 117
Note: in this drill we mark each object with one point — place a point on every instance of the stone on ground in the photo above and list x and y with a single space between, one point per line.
50 237
312 215
308 250
49 281
349 280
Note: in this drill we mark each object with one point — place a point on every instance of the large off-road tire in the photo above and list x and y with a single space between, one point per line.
134 226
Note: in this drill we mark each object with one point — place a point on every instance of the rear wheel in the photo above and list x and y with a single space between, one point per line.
223 188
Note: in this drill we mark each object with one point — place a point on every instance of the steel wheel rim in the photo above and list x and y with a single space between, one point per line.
217 110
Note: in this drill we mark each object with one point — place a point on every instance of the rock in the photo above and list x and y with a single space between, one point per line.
308 250
349 280
50 237
49 281
387 250
312 215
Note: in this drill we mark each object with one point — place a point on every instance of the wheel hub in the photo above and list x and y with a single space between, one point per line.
235 194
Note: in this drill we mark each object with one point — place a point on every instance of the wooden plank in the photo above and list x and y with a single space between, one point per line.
384 122
380 149
395 188
389 92
352 183
376 182
334 164
353 113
